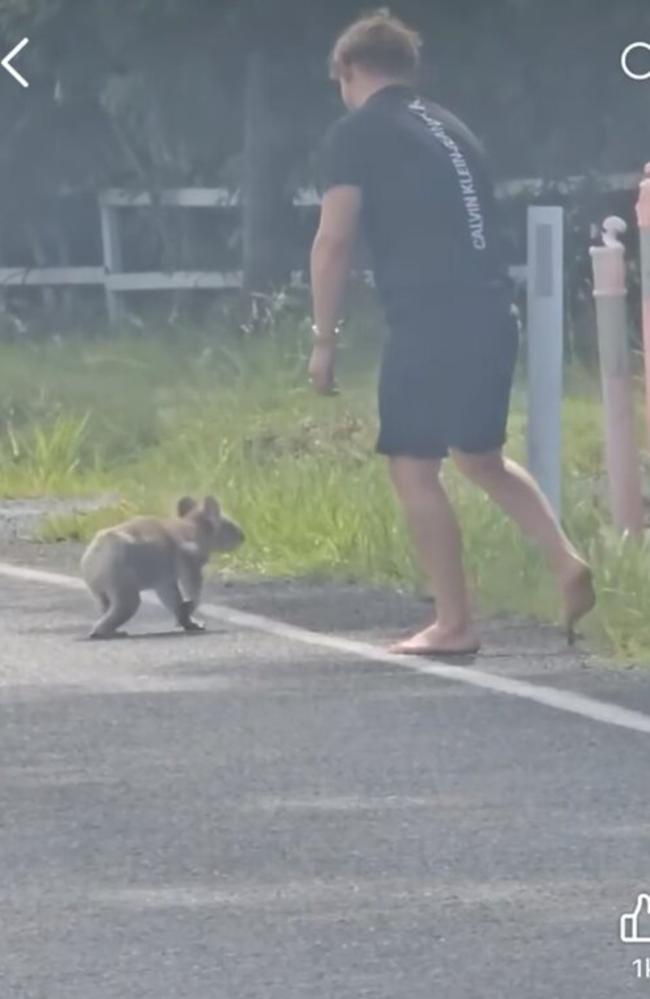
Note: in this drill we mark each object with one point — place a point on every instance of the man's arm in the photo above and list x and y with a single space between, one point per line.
330 265
331 253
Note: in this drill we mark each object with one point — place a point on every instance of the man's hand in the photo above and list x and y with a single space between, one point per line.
321 369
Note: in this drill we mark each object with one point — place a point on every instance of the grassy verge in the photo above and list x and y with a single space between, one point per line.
150 417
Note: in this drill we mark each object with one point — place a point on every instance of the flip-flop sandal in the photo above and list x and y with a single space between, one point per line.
423 653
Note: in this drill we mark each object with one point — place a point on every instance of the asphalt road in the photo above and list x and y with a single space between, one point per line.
244 816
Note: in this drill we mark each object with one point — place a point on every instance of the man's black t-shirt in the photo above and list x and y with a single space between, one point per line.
429 210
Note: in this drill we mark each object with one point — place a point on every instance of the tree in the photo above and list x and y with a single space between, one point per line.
153 93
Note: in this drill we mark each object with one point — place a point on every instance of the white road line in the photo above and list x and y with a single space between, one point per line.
561 700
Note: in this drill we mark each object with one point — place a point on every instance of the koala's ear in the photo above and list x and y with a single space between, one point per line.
212 508
185 506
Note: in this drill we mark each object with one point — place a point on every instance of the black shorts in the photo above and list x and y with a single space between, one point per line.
446 374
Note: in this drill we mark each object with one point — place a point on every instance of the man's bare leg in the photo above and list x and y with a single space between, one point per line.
517 493
438 544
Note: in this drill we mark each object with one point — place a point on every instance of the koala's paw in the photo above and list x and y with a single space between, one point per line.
192 627
186 621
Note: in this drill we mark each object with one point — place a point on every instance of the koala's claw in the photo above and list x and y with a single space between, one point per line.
193 627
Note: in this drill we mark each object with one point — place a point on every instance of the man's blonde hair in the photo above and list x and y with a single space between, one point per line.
379 43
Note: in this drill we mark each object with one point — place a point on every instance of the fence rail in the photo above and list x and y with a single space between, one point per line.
116 281
44 276
308 197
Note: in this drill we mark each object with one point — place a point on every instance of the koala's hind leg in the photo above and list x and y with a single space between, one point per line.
117 611
190 577
171 597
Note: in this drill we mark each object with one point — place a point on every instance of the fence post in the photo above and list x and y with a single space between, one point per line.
621 452
643 215
545 348
112 252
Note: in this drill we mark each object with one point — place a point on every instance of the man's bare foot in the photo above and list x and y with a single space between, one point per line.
579 596
435 641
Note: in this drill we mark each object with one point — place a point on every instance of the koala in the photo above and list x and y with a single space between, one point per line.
164 555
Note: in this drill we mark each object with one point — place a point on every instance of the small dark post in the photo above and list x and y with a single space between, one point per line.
265 198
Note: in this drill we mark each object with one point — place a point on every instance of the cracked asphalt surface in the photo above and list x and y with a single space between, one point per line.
236 816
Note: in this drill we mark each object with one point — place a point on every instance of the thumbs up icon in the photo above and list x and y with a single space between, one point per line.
630 922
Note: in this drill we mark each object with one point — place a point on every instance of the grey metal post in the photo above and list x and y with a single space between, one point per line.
112 251
545 342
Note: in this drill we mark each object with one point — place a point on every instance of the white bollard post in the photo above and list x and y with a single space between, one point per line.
643 216
112 252
545 349
621 453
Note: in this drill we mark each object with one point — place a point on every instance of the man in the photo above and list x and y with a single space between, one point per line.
416 179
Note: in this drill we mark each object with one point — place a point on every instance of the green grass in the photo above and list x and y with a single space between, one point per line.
149 417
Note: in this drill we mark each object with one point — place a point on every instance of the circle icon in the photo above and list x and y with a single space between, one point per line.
625 63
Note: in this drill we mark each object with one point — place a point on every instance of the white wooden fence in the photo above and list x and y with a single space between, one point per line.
116 282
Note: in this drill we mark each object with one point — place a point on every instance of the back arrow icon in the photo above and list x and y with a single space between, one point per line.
6 62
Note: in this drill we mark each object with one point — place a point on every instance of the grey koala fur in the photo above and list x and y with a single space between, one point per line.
152 553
